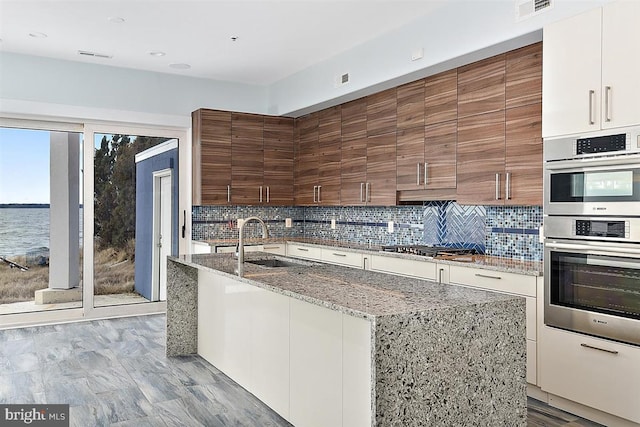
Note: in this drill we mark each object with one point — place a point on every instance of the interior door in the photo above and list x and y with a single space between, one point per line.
164 237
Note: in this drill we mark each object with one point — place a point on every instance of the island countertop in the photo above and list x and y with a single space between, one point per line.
353 291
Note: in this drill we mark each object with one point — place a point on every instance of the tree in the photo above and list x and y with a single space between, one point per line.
115 187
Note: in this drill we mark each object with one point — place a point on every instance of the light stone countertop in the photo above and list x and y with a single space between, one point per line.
362 293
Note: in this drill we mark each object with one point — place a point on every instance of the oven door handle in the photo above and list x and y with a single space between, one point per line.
599 249
577 164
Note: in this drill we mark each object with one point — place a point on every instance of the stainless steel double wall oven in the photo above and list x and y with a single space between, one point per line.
592 234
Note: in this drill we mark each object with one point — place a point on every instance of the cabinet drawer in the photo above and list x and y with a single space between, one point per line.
275 248
404 267
351 259
307 252
598 373
494 280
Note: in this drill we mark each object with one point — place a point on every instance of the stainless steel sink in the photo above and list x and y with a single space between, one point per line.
276 263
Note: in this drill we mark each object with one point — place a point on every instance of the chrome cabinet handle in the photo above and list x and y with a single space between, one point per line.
303 249
598 348
418 174
508 187
607 103
337 254
592 93
497 186
486 276
362 191
271 247
261 194
315 188
440 271
426 173
268 198
367 193
319 198
228 194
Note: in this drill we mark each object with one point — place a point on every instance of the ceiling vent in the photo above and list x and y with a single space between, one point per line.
342 79
528 8
94 54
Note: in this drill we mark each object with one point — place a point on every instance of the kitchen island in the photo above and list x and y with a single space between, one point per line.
329 345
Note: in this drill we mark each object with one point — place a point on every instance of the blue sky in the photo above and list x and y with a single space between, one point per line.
24 166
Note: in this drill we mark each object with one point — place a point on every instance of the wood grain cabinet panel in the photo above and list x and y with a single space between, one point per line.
353 167
329 146
382 113
440 155
410 105
306 175
278 161
481 158
524 76
380 189
211 157
410 159
523 155
481 87
247 158
441 97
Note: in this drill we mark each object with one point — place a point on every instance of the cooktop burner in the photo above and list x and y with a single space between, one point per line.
428 251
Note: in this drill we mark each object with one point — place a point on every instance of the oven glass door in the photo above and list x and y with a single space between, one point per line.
597 283
600 185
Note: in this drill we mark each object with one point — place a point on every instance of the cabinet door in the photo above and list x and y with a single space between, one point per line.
269 349
480 159
315 365
481 87
620 63
212 156
356 372
441 97
353 166
410 105
410 158
597 373
247 160
440 141
381 170
382 113
571 74
278 161
329 159
306 177
524 76
523 155
404 267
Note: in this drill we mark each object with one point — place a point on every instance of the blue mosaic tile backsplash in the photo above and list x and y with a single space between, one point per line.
510 231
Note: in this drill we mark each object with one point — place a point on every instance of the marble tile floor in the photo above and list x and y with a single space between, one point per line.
115 373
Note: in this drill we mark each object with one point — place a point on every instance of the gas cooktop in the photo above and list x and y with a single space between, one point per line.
428 251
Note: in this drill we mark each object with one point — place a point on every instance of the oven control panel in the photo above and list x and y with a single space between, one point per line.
601 228
602 144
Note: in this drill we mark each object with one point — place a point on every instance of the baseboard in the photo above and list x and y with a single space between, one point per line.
588 413
537 393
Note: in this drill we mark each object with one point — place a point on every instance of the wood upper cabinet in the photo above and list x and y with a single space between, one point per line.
440 155
247 158
480 158
306 165
382 112
330 157
278 161
211 157
353 167
481 87
410 152
523 155
380 186
441 97
410 105
590 75
523 82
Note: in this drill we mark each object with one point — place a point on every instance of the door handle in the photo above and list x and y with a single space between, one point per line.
228 194
418 174
497 186
261 194
268 198
598 348
367 193
607 103
426 173
315 188
362 192
319 198
507 186
592 94
486 276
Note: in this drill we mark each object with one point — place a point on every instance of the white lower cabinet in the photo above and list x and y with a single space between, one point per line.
269 349
342 257
598 373
275 248
313 253
315 365
356 372
404 267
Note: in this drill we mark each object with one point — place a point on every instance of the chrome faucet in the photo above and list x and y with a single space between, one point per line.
265 234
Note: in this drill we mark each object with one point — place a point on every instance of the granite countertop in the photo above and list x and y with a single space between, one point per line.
507 265
353 291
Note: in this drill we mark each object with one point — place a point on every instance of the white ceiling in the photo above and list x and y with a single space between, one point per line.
275 38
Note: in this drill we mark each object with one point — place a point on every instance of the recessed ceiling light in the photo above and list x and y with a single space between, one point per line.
157 53
116 20
38 35
180 66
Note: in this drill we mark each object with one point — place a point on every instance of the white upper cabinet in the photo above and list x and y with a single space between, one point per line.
590 69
